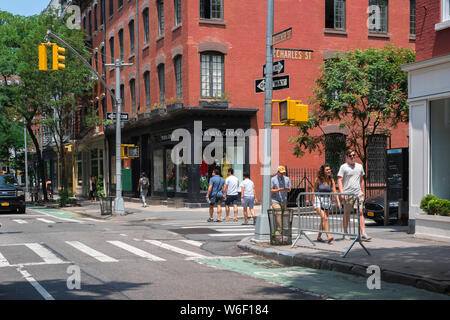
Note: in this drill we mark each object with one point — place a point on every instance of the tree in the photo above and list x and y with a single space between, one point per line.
364 91
43 98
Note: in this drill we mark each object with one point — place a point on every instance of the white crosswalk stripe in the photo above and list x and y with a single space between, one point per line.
136 251
175 249
44 253
20 221
45 220
3 261
91 252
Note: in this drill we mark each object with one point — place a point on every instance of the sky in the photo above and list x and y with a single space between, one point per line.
24 7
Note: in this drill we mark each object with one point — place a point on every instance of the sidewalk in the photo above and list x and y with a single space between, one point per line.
402 258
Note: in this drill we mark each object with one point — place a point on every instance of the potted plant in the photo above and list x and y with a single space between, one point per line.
157 109
174 104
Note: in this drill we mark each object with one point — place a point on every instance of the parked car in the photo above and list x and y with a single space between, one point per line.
374 209
12 196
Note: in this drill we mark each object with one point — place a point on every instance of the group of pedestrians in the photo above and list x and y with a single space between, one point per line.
227 191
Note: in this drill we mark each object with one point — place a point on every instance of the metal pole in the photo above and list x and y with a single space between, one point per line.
27 193
118 202
262 230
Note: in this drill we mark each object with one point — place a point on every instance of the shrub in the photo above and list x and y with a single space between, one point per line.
439 206
425 201
64 197
100 187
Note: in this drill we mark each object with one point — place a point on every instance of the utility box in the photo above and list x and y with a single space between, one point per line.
397 180
127 184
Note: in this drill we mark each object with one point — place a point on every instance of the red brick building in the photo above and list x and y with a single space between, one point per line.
207 54
429 109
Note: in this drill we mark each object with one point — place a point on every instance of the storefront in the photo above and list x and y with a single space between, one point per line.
180 149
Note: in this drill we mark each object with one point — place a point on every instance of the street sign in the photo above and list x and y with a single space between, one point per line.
281 82
281 36
277 67
112 116
296 54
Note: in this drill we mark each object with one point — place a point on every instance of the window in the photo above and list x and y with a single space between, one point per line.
121 43
212 75
102 12
178 77
160 5
95 17
445 10
133 93
111 7
378 16
335 14
131 28
104 106
412 17
147 87
158 170
90 22
96 60
103 54
84 24
376 162
111 45
162 84
120 3
122 97
211 9
177 9
146 25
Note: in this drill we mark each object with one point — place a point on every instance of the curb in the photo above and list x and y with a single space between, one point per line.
308 261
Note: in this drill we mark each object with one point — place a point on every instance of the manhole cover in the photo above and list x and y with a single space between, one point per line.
194 231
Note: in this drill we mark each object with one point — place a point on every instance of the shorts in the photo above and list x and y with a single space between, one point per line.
350 203
231 199
249 202
277 206
215 200
322 202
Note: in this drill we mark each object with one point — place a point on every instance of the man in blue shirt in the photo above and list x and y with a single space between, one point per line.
280 185
215 194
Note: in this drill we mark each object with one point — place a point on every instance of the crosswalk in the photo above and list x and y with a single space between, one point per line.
147 249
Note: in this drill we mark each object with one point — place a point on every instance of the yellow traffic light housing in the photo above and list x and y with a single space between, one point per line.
43 57
291 112
129 151
58 57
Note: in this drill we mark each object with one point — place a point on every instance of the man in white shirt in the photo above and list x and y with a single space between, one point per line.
248 197
350 180
230 194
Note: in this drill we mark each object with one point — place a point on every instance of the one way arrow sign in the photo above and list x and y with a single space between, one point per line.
277 67
112 116
281 82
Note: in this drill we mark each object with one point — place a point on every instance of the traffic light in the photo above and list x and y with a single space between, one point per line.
292 112
129 151
43 57
58 57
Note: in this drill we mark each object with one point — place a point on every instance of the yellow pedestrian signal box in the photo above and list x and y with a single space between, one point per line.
58 57
291 112
43 57
129 151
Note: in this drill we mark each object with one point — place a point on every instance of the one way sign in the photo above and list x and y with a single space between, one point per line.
281 82
277 67
112 116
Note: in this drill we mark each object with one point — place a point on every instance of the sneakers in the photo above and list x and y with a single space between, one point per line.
210 220
365 237
245 223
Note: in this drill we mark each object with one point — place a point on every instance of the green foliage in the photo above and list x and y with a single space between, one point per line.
425 201
100 187
64 197
432 205
364 91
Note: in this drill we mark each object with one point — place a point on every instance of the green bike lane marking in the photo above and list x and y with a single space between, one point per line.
331 284
57 213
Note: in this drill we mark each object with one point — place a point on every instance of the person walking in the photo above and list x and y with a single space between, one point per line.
248 197
230 191
350 180
215 195
143 186
93 189
324 184
280 185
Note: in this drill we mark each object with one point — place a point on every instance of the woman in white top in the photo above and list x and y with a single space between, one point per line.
248 197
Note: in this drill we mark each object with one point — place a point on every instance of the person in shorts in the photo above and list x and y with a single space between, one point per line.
248 197
280 185
231 194
215 195
350 180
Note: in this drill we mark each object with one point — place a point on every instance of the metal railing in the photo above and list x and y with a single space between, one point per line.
329 213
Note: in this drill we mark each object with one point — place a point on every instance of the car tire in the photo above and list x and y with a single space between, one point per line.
22 209
379 221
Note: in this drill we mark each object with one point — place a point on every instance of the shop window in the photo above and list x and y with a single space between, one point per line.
158 170
170 172
440 152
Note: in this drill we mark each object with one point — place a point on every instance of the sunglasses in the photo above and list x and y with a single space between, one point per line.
352 156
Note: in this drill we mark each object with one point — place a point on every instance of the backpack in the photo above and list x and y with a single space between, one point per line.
144 183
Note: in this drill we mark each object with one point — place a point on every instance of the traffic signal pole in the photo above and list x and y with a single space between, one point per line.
262 230
119 207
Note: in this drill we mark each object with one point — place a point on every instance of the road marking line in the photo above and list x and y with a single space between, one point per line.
193 242
3 261
45 220
91 252
36 285
20 221
229 230
136 251
44 253
230 234
175 249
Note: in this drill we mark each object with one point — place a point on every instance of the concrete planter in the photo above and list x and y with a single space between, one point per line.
157 112
214 104
433 228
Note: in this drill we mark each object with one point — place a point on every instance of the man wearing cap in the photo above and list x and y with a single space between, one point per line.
280 185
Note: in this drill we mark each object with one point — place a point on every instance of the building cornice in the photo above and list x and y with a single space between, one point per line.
426 63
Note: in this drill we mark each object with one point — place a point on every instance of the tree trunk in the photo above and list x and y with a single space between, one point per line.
41 172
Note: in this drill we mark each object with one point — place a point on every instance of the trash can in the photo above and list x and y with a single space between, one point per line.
280 222
106 205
